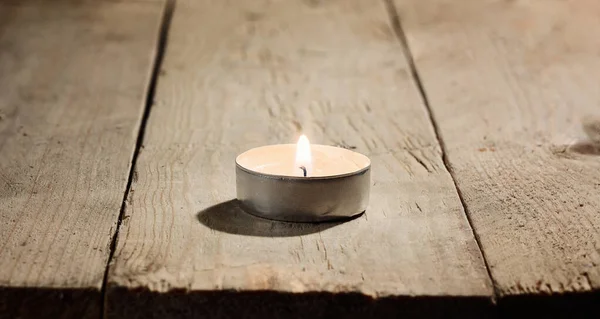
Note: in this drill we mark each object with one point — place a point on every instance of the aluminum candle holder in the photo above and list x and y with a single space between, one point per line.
330 183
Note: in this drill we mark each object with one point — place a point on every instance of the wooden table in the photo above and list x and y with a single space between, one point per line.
120 122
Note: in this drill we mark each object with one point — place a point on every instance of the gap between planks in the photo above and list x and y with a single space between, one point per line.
396 25
158 59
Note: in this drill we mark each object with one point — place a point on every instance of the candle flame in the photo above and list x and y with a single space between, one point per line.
303 157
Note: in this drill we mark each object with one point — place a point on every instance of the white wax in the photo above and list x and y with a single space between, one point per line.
279 160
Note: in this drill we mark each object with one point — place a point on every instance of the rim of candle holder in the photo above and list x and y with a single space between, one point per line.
302 178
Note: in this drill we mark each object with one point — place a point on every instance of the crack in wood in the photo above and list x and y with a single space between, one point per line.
420 161
158 59
401 36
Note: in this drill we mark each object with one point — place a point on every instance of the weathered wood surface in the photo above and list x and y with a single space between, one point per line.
514 88
239 74
73 80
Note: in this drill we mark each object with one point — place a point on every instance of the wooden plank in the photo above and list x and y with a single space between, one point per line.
242 74
73 81
513 86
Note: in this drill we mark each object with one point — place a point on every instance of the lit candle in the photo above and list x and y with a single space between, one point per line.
303 156
303 182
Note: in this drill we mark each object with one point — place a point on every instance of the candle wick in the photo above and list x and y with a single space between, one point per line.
303 170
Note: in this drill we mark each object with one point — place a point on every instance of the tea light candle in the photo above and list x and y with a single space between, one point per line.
303 182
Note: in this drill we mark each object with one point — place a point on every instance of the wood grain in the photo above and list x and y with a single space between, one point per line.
240 74
73 80
513 86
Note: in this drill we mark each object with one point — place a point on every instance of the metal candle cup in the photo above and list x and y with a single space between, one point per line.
271 184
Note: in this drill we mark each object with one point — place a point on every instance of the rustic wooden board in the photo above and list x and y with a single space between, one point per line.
514 88
73 81
242 74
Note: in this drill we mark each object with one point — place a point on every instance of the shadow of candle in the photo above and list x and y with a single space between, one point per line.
229 217
591 145
585 148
